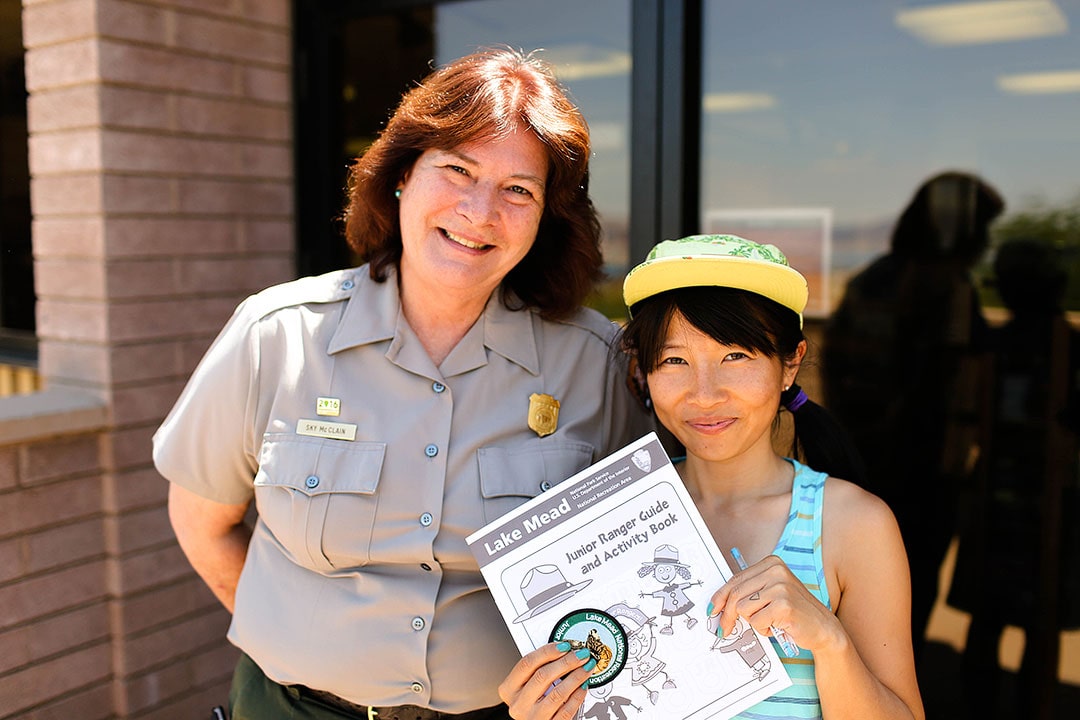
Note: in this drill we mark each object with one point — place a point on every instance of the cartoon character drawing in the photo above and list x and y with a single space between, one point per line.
664 567
544 587
641 644
743 641
608 705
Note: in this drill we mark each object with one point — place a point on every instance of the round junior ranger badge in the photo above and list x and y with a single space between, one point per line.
601 634
543 414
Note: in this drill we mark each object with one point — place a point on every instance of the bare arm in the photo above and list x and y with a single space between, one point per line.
863 660
872 664
214 538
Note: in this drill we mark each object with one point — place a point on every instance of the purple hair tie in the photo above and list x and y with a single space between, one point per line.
794 398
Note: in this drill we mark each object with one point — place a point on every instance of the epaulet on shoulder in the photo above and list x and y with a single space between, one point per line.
594 322
333 286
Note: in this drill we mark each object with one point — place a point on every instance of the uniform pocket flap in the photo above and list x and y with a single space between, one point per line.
527 472
315 466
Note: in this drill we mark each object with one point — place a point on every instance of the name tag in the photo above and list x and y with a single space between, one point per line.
324 429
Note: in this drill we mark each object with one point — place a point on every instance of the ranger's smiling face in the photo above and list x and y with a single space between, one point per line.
470 213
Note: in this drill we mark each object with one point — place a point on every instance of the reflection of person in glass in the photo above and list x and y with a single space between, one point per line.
379 415
900 367
1001 562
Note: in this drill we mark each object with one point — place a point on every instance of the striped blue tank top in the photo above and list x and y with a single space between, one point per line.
800 548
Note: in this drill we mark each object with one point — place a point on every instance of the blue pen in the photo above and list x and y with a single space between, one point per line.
790 648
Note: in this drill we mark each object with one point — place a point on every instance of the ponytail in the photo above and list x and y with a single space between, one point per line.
825 445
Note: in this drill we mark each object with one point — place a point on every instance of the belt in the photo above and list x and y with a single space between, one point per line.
396 712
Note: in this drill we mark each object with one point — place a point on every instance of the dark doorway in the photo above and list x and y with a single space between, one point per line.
354 60
16 261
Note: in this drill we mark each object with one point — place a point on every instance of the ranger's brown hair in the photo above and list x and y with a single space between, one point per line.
488 95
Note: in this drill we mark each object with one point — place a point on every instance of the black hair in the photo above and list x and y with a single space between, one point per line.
738 317
948 218
1031 278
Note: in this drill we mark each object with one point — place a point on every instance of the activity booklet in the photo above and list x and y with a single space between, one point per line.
618 560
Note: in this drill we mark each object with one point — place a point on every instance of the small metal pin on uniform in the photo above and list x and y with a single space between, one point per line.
328 406
543 414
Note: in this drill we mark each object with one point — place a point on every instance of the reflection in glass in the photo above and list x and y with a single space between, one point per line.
847 106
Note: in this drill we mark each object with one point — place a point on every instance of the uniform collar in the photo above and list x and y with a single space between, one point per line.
511 333
370 313
373 312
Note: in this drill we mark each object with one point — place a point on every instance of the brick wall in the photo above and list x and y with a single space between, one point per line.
162 192
54 611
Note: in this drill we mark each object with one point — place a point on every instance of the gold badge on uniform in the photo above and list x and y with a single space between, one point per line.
543 414
328 406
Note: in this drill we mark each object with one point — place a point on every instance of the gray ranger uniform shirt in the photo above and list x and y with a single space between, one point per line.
358 580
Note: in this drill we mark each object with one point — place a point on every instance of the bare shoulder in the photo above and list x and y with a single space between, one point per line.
861 541
857 523
849 507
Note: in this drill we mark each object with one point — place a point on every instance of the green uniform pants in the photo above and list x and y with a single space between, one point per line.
256 697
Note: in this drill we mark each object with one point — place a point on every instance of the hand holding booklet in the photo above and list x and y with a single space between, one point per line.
617 559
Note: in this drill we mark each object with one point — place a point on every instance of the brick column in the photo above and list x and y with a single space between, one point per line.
162 193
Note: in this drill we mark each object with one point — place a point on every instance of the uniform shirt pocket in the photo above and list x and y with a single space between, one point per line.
510 476
317 497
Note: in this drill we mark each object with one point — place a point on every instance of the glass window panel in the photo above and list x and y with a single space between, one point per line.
816 133
823 126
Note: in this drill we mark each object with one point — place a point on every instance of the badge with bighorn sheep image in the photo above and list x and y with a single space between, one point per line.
599 633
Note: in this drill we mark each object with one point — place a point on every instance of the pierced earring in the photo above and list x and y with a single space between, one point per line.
397 193
786 388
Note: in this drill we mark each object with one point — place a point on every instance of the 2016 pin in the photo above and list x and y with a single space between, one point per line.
328 406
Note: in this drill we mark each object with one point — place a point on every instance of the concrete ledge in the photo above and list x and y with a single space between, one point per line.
50 413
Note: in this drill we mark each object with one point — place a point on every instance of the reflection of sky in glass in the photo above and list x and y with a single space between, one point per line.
589 45
862 111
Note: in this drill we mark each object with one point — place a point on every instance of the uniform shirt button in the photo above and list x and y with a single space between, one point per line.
417 688
438 387
431 450
348 285
418 623
426 519
312 481
545 486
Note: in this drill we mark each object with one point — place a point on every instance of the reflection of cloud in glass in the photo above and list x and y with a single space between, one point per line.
971 23
737 102
579 62
1063 81
607 136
